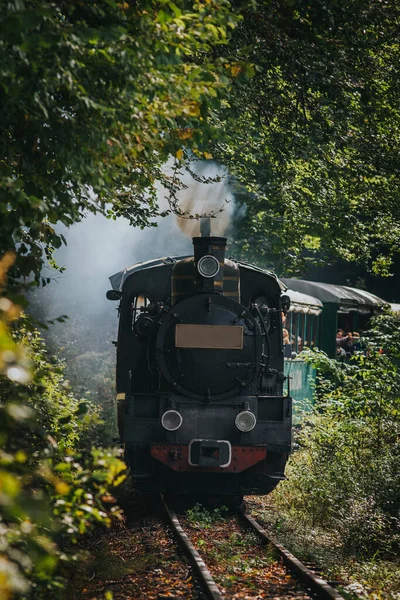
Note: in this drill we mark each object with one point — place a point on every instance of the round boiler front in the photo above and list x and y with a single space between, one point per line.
209 346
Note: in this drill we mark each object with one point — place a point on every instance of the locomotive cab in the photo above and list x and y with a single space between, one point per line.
201 408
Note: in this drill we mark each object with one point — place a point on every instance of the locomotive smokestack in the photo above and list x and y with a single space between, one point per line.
205 226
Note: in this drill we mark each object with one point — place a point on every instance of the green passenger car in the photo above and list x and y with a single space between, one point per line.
317 311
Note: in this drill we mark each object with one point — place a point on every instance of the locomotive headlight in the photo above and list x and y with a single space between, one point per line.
171 420
245 421
208 266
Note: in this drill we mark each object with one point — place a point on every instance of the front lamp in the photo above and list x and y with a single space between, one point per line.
208 266
171 420
245 421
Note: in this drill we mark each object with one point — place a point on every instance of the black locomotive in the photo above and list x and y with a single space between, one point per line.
201 408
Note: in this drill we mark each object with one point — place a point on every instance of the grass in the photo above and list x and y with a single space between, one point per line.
199 516
376 578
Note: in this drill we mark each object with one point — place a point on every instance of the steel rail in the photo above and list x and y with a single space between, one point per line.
203 574
319 586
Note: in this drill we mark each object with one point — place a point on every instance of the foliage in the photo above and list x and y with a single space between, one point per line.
96 98
356 575
345 475
312 139
57 411
13 360
300 103
202 517
88 364
53 487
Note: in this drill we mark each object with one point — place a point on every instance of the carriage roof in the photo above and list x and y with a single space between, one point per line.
347 298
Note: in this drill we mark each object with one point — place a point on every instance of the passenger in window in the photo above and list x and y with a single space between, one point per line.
356 341
339 337
342 338
359 344
347 344
340 353
287 346
299 343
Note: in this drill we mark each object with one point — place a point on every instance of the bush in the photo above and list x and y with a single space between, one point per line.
345 475
54 486
84 344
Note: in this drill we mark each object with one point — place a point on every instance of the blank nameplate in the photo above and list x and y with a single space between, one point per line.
226 337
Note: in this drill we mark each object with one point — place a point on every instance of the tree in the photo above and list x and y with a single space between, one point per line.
313 139
95 99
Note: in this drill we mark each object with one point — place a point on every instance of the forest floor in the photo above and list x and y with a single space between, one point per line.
139 559
135 560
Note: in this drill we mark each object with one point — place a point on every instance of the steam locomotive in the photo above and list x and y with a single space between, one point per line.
201 407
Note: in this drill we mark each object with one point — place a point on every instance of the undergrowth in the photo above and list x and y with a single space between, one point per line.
55 484
340 504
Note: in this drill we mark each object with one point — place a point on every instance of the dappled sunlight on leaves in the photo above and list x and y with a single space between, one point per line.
53 488
96 99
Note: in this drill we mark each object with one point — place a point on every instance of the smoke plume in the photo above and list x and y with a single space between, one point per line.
98 247
206 199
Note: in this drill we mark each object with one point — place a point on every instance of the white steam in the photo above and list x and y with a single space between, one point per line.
98 247
212 199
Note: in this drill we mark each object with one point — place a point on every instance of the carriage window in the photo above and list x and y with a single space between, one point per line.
300 329
138 302
286 334
295 326
299 334
308 327
312 330
292 327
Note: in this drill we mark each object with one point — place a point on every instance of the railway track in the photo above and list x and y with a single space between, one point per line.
230 558
299 582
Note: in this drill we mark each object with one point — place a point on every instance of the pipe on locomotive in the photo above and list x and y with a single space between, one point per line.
205 226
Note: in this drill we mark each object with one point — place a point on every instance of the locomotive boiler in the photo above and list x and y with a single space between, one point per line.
201 408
